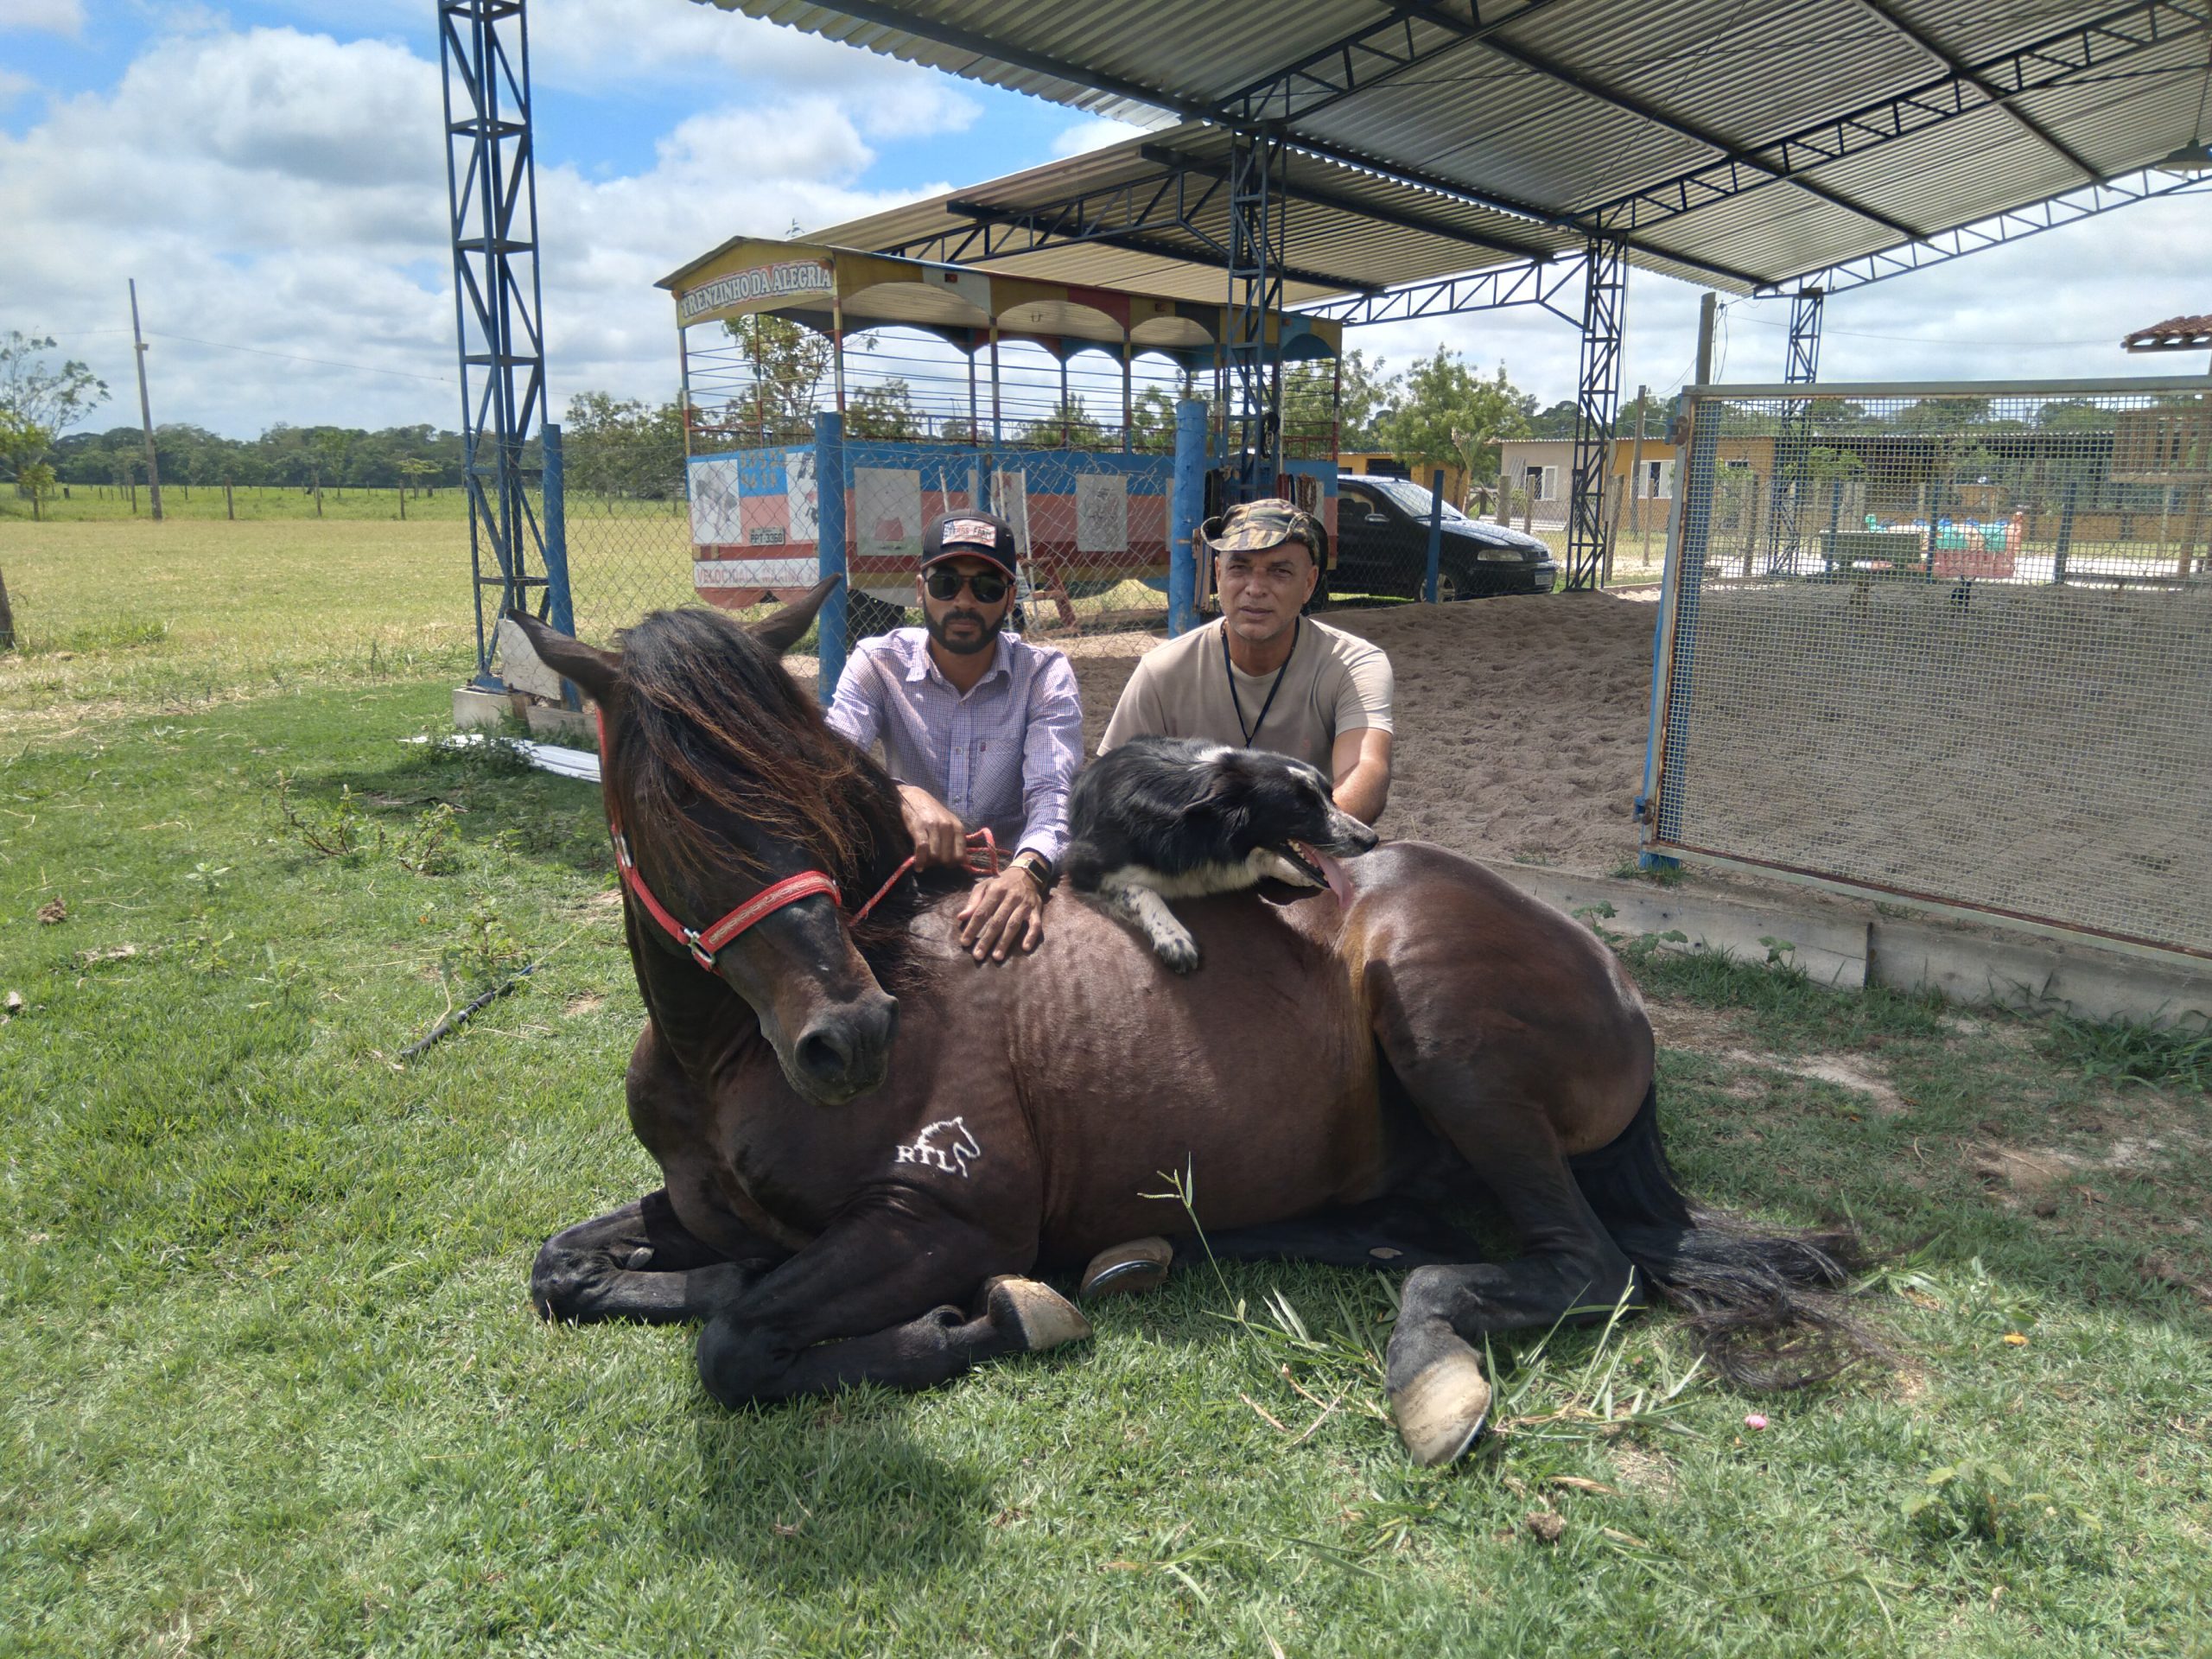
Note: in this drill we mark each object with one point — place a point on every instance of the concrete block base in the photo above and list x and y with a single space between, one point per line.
476 710
1849 947
570 726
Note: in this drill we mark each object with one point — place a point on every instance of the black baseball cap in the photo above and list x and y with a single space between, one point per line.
964 530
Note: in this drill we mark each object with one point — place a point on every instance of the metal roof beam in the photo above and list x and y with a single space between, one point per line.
1044 235
1367 58
1454 191
902 20
1942 54
1589 87
2105 196
1538 284
1175 159
2050 61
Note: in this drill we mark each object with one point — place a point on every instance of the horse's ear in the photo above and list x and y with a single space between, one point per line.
595 671
787 626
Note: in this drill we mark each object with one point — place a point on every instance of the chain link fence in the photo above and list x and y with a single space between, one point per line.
1949 643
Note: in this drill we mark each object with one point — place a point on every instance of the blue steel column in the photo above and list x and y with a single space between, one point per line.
559 606
1788 490
1187 507
1254 416
1605 304
829 550
491 194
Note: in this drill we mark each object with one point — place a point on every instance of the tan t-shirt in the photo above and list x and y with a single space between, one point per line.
1334 682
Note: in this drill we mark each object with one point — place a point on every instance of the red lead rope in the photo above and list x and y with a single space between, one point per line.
704 944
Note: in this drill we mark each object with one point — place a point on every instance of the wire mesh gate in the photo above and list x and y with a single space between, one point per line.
1947 642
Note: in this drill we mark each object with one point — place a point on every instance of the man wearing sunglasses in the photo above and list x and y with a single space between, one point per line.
1264 675
981 728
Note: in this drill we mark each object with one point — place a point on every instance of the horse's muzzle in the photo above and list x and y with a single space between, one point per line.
845 1051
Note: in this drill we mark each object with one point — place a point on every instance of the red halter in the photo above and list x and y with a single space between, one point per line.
704 943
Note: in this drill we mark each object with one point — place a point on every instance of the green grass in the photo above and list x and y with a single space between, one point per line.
269 1382
201 503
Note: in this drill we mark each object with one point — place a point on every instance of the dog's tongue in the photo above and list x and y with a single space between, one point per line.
1340 883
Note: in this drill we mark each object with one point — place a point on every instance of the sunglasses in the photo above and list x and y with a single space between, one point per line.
988 586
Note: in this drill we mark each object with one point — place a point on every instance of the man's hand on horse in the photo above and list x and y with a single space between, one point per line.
940 836
1005 911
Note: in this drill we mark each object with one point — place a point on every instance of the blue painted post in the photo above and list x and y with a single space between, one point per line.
559 606
829 557
1187 507
1436 534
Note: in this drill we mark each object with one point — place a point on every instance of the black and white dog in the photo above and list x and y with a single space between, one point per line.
1177 818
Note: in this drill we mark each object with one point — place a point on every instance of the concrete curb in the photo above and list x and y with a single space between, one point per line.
2027 972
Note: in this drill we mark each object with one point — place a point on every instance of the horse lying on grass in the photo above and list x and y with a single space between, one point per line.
867 1141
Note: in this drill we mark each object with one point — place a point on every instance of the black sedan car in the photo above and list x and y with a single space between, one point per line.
1383 546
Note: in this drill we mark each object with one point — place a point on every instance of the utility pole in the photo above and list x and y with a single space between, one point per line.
1708 312
145 410
1636 478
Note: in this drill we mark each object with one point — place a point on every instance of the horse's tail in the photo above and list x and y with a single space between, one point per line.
1770 1309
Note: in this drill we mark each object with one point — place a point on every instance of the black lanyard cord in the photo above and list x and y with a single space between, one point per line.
1228 673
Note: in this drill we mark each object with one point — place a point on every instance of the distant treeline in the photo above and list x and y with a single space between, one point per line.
303 457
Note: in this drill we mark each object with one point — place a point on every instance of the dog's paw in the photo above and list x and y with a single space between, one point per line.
1182 956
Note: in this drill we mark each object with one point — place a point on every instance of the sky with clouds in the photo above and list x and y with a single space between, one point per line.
273 176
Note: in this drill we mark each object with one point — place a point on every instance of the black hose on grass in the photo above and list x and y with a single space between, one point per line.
452 1021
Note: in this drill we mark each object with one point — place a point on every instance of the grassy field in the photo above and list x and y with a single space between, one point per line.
269 1383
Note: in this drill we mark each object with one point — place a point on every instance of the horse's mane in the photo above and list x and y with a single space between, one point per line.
710 718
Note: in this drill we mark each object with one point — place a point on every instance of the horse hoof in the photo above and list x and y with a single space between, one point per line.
1140 1264
1442 1410
1040 1315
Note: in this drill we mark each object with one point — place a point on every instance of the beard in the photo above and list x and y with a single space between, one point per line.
968 646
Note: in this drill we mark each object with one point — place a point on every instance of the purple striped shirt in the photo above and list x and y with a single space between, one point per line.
1001 756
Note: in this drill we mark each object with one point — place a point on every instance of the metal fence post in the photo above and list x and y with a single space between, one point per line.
560 604
1187 507
1435 535
829 551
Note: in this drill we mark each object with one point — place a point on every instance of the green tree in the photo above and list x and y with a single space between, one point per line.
790 363
885 410
1068 425
1446 415
1313 395
1152 422
327 451
1557 421
37 404
623 447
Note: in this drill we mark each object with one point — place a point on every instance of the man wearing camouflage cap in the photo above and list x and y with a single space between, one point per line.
1265 677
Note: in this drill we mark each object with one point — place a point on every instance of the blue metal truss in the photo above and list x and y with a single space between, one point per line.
2107 195
1788 486
1604 315
491 192
1538 282
1967 89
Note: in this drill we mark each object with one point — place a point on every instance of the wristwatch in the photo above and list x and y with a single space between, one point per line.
1037 866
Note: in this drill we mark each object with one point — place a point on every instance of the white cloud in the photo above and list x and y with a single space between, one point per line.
13 86
592 45
2052 306
1094 134
283 191
44 16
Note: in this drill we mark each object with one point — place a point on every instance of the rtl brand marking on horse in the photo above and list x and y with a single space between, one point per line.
951 1159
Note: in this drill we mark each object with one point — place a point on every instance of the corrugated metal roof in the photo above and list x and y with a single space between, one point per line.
1558 108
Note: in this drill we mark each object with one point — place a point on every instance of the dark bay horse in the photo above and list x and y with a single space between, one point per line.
868 1140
